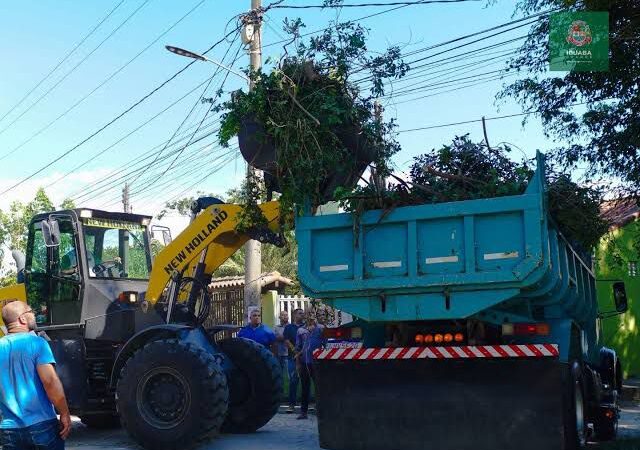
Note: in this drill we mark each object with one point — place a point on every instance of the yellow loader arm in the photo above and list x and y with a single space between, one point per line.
7 294
213 229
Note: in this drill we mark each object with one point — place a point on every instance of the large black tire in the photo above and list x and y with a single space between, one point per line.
575 418
255 385
172 395
105 421
606 428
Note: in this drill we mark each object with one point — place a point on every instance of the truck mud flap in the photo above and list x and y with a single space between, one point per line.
479 404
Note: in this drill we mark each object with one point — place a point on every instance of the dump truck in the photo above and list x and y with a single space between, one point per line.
124 317
477 327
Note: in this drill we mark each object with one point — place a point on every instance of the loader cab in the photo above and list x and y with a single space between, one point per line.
79 261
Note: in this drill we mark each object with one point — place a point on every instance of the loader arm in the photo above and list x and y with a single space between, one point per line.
213 230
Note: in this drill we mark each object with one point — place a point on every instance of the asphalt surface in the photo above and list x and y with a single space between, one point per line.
284 432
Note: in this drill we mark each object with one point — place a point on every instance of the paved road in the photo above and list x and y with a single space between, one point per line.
284 432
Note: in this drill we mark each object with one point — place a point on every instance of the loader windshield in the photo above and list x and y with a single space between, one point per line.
116 249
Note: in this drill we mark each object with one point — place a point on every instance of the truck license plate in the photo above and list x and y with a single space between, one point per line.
343 345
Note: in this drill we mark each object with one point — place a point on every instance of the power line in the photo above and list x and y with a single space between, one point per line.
67 56
471 83
105 81
208 110
200 166
74 67
369 16
130 164
111 122
431 127
362 5
99 153
111 183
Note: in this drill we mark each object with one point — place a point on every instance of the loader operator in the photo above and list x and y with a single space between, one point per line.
29 386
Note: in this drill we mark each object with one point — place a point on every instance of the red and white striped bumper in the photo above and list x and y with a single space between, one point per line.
459 352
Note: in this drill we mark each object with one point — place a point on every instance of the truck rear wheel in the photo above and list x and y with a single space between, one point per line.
255 385
575 421
172 395
605 427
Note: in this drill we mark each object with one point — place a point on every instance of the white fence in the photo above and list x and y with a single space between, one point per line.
334 317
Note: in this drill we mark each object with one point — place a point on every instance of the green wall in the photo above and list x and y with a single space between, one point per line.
621 332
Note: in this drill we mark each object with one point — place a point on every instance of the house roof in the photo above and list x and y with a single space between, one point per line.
620 212
267 281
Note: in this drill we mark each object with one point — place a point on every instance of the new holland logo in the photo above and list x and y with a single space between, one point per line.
579 33
194 245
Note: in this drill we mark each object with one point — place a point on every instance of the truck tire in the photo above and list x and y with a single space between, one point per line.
575 420
255 385
172 395
605 429
105 421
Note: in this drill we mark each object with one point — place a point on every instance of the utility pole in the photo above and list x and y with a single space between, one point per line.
375 178
253 250
125 198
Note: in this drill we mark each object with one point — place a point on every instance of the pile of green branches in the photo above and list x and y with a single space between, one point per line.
465 170
303 102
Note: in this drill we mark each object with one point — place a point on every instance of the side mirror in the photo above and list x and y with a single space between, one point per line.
51 232
620 297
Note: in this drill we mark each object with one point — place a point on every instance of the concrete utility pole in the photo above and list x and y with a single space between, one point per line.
253 250
125 198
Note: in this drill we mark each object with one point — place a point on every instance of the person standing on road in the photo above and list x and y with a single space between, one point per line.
257 331
281 345
309 338
29 386
290 336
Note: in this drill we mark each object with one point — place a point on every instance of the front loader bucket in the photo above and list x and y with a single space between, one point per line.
436 404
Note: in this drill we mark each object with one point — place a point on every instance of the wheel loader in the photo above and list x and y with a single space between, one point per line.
126 326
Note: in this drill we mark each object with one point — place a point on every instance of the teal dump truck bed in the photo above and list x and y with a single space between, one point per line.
476 328
445 261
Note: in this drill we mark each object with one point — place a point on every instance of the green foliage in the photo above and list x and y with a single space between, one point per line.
307 103
67 203
465 170
14 223
606 137
250 215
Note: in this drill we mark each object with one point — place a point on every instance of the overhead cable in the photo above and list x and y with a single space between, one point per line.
62 61
114 120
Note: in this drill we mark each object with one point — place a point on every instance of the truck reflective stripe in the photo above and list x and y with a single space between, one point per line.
441 352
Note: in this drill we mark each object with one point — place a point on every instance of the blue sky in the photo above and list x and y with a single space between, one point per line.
35 35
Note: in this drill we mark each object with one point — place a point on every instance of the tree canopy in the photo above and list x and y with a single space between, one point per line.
605 138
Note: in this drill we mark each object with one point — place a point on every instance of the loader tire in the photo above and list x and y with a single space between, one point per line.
575 419
105 421
605 429
172 395
255 385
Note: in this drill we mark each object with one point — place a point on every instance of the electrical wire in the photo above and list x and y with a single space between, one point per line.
362 5
102 83
87 56
431 127
62 61
112 121
129 166
139 127
224 80
97 189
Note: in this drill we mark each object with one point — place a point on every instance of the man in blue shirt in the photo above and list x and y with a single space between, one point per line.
29 386
290 334
257 331
310 337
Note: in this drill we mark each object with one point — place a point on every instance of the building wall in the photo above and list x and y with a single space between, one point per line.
621 332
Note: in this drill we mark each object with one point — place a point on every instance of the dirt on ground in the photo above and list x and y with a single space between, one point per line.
284 432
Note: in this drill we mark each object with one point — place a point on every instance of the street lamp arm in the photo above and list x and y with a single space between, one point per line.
199 57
